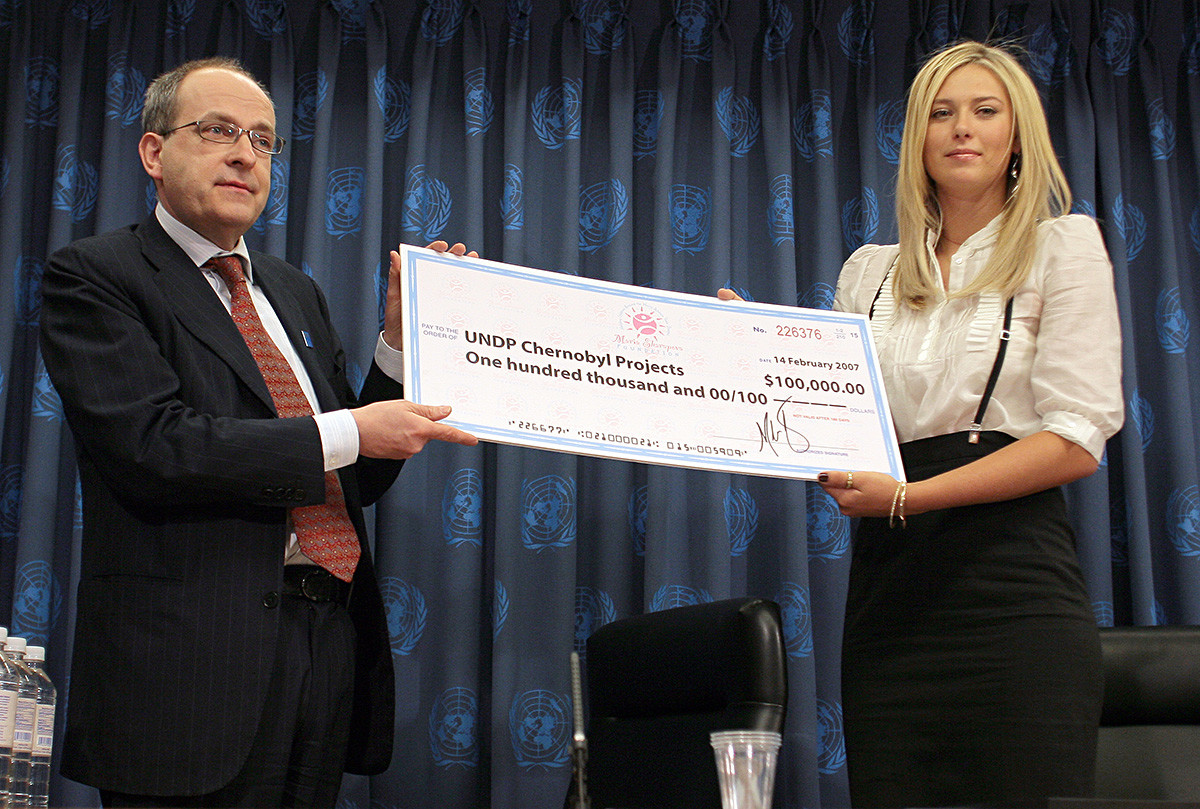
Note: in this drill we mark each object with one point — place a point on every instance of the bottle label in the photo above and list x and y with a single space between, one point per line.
8 717
23 728
43 737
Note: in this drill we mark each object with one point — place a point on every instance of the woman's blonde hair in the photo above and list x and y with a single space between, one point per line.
1040 192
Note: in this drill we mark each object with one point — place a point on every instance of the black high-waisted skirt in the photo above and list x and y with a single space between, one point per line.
970 662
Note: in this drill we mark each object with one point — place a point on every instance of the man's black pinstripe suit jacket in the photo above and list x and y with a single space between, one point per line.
187 475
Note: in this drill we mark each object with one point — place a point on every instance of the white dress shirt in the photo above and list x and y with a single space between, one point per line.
338 430
1062 371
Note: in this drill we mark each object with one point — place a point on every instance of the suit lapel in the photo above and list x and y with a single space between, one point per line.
197 307
290 312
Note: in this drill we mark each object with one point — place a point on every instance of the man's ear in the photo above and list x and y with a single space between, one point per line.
150 150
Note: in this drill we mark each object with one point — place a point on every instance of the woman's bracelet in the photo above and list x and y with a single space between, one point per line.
898 500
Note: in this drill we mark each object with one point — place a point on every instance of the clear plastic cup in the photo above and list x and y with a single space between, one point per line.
746 767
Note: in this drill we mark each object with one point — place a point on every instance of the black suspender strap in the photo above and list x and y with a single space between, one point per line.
1005 334
878 292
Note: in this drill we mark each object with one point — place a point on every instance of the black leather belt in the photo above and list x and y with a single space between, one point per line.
314 583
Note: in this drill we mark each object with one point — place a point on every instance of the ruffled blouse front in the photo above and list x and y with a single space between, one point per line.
1062 370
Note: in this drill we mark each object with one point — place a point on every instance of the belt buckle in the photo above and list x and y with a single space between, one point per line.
315 586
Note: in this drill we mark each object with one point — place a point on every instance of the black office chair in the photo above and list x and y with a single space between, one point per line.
659 683
1150 725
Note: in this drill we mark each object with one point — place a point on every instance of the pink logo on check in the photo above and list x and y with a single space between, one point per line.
645 321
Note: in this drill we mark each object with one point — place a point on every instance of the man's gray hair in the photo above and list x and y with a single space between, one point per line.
162 96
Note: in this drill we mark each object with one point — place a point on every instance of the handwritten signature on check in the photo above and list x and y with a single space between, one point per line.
776 430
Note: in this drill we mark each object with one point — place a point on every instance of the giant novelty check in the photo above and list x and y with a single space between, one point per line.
558 362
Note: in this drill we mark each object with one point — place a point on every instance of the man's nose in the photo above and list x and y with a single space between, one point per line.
241 150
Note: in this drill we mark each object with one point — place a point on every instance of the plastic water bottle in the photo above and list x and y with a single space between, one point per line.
22 746
43 734
10 686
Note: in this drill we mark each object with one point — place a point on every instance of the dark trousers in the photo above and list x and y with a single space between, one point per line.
300 747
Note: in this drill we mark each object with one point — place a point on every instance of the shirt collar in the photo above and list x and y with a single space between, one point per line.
198 248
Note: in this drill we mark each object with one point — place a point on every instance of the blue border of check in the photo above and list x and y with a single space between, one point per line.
623 452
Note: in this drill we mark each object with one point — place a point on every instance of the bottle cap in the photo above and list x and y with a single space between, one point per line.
15 645
37 653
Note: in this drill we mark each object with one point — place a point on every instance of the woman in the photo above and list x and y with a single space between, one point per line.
971 663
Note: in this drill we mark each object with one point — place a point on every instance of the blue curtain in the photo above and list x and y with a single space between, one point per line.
682 144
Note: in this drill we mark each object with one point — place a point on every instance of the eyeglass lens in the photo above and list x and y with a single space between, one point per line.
220 132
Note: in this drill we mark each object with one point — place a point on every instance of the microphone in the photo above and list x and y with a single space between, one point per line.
579 797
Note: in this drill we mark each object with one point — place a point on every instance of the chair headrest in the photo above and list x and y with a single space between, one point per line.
697 658
1151 675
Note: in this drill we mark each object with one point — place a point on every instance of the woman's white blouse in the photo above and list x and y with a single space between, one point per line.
1062 371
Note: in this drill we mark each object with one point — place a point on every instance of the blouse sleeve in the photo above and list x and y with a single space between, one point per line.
861 276
1076 375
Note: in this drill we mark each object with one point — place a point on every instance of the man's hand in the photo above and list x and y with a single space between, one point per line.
399 429
393 314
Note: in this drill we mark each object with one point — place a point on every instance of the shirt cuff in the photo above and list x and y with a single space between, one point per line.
1077 429
389 360
339 438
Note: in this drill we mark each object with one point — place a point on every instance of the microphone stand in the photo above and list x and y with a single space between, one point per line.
578 798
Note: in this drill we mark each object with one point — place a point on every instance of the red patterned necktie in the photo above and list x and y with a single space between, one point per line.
324 531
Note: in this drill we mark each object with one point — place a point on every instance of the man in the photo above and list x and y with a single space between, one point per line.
206 671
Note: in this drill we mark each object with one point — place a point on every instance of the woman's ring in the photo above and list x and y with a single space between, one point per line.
849 480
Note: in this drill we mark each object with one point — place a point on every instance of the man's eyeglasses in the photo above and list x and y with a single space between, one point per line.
221 132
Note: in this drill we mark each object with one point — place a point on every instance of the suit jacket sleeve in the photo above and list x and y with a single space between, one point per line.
159 388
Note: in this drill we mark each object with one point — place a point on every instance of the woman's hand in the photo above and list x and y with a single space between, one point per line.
861 494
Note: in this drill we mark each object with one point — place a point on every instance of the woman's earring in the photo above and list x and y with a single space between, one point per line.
1014 171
